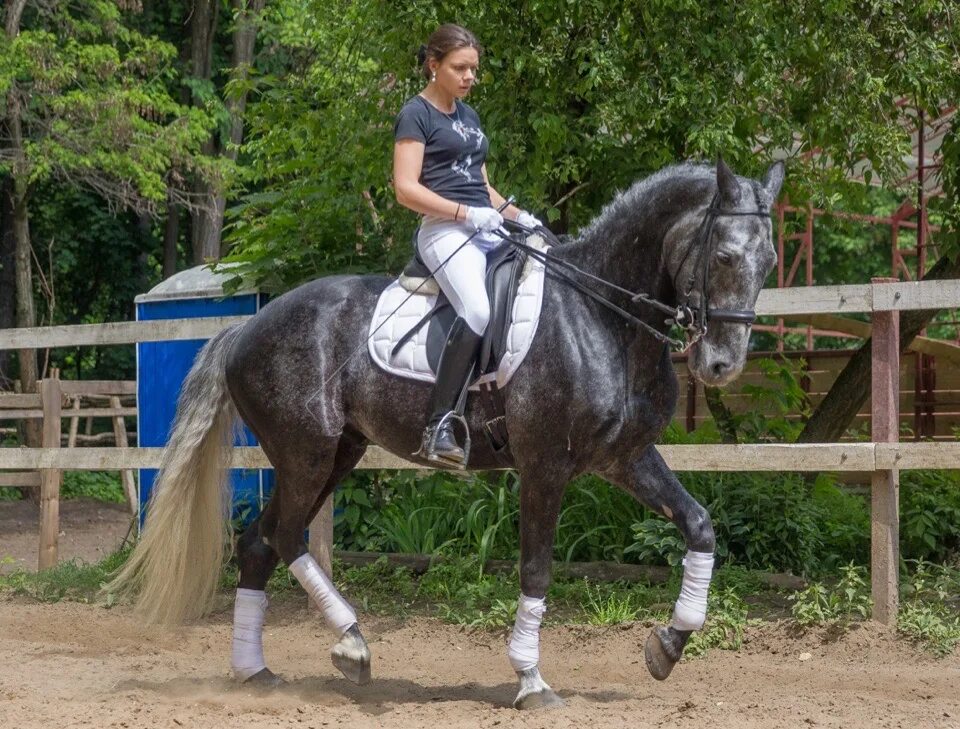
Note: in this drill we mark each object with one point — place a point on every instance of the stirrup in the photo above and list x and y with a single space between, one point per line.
428 444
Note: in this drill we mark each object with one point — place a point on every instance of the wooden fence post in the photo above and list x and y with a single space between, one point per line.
321 537
50 478
120 440
885 485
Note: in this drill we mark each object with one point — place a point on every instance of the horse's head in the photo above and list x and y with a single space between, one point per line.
723 266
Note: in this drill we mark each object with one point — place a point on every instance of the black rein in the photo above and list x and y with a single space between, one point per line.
693 322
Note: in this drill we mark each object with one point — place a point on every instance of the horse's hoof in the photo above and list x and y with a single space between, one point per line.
545 699
351 656
660 654
535 693
265 679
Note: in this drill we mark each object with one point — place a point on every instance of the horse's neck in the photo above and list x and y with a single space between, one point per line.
636 262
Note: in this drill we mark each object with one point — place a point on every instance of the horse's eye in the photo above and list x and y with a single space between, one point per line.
725 258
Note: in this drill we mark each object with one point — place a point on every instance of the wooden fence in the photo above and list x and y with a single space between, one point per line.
883 458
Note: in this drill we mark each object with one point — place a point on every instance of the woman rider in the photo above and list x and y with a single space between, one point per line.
439 171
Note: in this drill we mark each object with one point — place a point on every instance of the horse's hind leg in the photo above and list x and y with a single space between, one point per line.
304 480
651 482
257 560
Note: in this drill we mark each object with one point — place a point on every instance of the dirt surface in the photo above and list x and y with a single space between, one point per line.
74 665
89 531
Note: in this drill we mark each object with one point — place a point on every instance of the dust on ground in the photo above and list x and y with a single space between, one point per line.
77 665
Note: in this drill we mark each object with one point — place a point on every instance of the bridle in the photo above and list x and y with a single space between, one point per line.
693 321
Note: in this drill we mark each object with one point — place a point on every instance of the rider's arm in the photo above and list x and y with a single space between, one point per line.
511 211
407 165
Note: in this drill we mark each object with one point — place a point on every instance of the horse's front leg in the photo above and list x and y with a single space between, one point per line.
540 499
652 483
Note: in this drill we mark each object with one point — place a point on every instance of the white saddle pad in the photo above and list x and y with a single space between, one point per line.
411 360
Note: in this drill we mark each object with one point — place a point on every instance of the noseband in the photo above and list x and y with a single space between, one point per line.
692 321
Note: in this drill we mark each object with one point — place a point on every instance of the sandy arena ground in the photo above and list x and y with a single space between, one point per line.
71 665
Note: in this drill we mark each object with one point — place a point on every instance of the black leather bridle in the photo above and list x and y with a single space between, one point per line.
692 320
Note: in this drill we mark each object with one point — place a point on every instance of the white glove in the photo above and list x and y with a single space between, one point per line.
485 219
527 220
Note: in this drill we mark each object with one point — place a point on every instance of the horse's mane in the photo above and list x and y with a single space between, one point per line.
637 199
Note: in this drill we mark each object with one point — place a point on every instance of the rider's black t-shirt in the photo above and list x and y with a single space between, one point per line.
454 149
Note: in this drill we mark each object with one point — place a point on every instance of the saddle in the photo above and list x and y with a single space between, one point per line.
504 268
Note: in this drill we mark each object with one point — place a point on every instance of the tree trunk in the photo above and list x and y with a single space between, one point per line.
205 232
847 395
171 234
8 283
721 415
20 229
244 42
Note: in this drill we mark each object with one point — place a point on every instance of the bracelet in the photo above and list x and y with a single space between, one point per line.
456 215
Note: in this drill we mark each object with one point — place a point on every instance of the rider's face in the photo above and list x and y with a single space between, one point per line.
457 72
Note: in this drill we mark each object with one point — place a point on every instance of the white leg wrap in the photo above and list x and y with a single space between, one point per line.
337 612
524 649
691 608
249 610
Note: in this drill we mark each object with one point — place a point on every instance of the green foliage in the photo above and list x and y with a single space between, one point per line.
579 99
72 581
95 105
930 515
461 593
475 516
929 613
849 600
776 522
765 419
99 485
610 609
725 625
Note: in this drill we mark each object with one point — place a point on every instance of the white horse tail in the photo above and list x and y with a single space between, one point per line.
173 571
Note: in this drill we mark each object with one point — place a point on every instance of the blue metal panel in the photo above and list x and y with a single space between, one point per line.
161 370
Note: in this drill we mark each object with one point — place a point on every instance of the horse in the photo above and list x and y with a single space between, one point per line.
595 391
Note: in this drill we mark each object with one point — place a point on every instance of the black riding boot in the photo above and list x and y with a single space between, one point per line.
453 372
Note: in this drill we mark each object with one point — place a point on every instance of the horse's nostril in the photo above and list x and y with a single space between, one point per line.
720 368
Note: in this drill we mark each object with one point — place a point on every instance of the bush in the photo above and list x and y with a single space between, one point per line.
777 522
849 599
930 515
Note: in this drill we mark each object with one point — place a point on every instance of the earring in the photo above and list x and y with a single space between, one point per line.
433 76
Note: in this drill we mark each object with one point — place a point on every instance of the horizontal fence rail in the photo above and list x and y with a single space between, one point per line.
836 457
857 298
882 298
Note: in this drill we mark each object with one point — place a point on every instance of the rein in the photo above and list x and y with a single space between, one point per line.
692 321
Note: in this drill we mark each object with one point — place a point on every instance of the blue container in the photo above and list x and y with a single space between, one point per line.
163 366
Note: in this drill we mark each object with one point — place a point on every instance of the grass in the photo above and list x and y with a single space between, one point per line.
69 581
458 592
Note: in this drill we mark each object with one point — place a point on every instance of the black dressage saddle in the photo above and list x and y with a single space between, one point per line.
504 270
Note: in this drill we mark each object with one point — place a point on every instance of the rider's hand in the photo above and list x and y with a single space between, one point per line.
527 220
485 219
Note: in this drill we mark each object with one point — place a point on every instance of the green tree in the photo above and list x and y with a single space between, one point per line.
85 102
579 99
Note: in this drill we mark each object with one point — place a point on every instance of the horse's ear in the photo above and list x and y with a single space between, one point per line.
727 184
773 180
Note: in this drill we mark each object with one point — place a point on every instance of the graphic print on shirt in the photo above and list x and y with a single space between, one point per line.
462 165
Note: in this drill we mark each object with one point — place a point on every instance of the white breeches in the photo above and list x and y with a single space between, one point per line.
462 278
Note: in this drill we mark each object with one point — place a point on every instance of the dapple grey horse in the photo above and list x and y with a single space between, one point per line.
592 396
